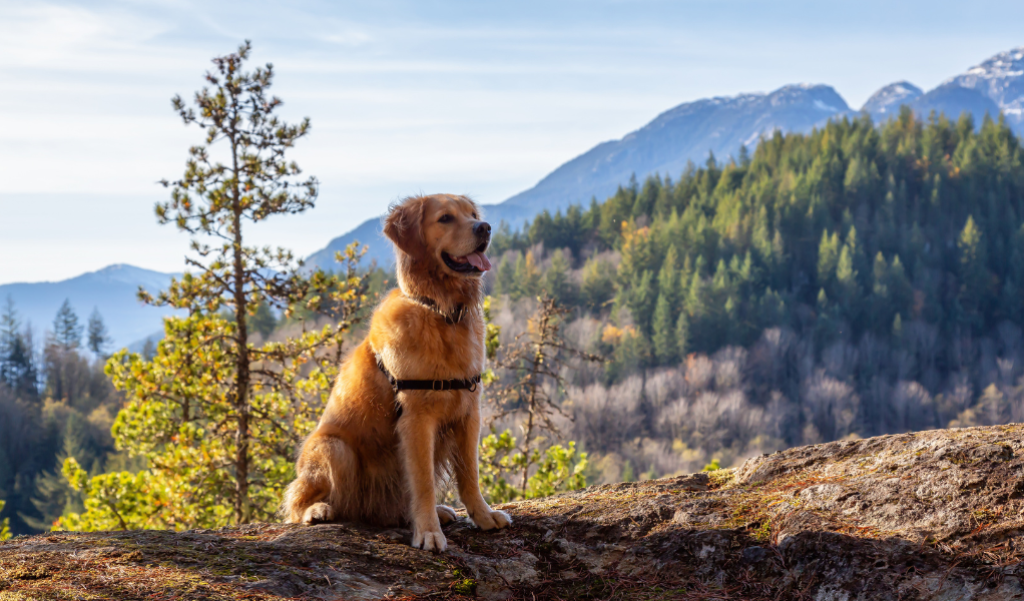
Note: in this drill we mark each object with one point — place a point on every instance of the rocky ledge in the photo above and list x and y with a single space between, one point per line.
932 515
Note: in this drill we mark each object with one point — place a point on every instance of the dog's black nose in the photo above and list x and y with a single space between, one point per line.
482 229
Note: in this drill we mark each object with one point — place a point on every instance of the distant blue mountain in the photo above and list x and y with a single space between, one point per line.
722 125
993 87
953 100
112 290
885 103
685 133
1001 80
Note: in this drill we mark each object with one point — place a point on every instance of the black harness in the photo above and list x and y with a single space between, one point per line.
451 318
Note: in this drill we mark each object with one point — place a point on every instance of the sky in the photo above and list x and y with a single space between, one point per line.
405 97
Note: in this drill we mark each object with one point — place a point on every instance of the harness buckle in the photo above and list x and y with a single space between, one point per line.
472 387
434 384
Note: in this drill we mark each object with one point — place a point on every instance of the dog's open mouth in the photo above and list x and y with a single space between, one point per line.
474 262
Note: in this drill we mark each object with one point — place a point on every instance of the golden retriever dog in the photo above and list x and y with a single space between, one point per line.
405 409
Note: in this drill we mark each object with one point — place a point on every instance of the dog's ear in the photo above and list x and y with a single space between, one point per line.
404 225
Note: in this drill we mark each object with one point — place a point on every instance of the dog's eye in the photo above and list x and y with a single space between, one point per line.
446 218
475 217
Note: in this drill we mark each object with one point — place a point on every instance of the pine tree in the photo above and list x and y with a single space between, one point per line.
504 277
67 333
663 334
557 284
828 257
527 276
641 297
847 286
97 338
9 341
682 332
973 273
598 283
668 279
217 418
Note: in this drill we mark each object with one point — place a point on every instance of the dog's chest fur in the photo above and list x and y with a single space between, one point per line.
419 344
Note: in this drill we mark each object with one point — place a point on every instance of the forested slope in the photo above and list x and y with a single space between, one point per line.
850 282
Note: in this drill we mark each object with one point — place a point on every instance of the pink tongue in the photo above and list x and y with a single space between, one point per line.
479 260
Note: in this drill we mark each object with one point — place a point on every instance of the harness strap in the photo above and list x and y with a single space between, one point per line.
435 385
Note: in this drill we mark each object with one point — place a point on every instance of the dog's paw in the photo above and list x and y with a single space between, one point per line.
490 519
446 514
318 512
429 540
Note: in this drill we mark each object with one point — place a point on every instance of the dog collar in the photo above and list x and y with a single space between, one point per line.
451 318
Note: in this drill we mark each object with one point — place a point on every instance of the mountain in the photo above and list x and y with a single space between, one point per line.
994 86
111 290
723 124
952 100
886 102
685 133
1001 80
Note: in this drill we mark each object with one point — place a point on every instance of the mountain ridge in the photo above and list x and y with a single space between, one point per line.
111 290
722 124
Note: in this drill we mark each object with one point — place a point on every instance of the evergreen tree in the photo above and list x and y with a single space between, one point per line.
598 285
668 280
828 257
973 273
664 335
557 284
682 332
527 276
18 368
217 418
97 337
263 320
504 277
67 333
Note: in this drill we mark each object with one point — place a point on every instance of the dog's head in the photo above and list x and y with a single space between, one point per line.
442 231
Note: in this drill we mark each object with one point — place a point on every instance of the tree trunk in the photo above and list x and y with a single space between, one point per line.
242 363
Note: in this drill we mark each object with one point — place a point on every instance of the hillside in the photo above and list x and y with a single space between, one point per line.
112 290
932 515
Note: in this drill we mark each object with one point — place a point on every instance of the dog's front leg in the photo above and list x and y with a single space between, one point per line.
417 433
467 475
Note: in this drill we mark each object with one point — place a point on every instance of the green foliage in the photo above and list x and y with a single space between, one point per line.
598 285
557 468
5 530
628 473
712 467
492 340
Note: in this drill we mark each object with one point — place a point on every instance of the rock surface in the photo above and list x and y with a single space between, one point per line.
932 515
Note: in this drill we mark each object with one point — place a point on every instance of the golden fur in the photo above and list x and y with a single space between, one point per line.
363 463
